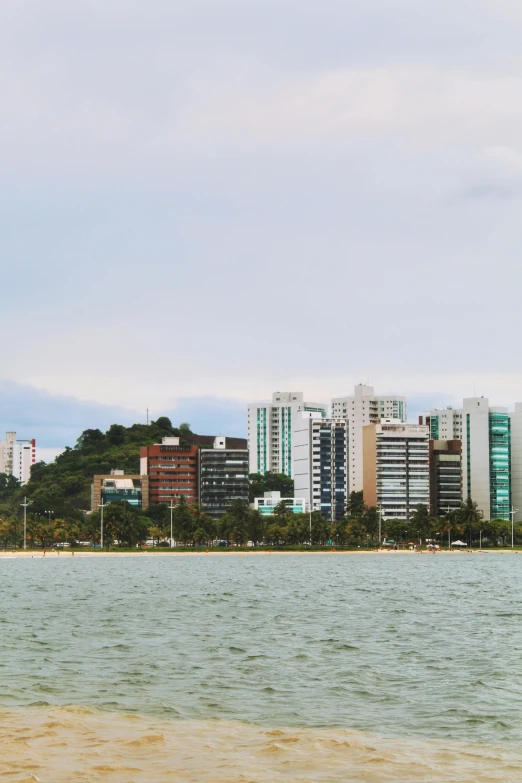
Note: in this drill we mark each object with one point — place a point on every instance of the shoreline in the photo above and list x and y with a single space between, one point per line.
67 554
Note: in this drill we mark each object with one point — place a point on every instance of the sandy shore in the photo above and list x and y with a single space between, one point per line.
66 554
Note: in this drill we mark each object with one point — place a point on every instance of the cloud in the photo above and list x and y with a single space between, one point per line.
57 421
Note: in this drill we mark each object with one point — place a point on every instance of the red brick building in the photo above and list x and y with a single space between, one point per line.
172 470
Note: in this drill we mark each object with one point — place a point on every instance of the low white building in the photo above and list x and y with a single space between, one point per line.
267 504
17 457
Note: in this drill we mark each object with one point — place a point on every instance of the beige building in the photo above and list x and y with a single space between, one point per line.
396 475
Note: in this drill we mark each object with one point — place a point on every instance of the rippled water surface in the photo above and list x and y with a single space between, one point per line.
391 645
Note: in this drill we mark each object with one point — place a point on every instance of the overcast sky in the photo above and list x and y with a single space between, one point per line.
204 201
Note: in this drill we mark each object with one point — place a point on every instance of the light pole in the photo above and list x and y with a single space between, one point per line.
101 506
172 507
49 520
25 504
512 514
448 511
380 525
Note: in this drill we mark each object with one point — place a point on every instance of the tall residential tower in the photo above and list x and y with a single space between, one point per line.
365 407
270 430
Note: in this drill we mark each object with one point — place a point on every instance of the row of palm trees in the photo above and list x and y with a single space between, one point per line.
191 526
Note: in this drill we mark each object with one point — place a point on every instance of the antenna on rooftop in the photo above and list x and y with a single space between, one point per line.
147 416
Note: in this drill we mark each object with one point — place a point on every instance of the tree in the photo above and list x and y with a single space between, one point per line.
238 521
270 482
298 529
203 526
116 434
163 423
184 429
355 533
182 521
469 516
283 513
256 526
371 521
8 486
321 529
340 532
355 506
421 521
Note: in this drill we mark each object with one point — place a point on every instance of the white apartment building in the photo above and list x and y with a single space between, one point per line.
365 407
271 427
320 456
396 467
269 502
487 447
17 457
445 423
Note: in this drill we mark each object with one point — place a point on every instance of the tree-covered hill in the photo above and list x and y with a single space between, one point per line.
64 485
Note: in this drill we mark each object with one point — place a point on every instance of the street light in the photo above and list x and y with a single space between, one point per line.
101 506
512 514
172 507
25 504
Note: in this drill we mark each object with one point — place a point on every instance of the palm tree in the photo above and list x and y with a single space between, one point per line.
422 520
451 522
470 515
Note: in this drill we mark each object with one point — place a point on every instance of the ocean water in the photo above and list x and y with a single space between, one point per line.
261 667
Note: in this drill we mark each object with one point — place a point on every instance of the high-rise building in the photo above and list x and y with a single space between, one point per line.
444 423
516 461
17 457
115 487
271 427
320 456
445 476
365 407
486 457
396 467
223 477
172 471
485 433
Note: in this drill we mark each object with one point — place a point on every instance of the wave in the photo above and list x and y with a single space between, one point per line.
64 744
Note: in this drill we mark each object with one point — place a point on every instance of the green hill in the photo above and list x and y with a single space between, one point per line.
64 486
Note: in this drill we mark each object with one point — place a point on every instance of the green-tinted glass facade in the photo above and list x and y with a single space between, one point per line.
500 465
434 427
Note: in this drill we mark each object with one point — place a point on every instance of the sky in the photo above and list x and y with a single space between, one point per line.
209 200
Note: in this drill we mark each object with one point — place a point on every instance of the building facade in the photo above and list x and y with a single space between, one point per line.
172 471
116 487
363 408
223 477
267 504
445 476
516 461
444 423
396 467
271 428
485 433
17 457
486 457
320 457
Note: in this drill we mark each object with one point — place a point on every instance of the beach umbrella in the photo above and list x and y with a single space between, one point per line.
458 543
